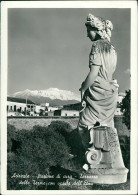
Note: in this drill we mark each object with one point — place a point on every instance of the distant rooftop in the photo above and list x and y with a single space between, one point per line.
76 106
19 100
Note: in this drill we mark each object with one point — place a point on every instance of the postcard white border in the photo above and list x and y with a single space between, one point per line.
4 61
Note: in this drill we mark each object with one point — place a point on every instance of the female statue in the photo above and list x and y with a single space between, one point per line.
99 91
99 98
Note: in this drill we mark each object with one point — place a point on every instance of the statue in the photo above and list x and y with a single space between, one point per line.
99 94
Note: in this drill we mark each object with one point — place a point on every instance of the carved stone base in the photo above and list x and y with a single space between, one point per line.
106 176
104 159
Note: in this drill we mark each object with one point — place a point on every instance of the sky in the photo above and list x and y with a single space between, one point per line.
49 47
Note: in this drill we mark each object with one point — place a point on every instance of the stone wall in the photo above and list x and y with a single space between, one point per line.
28 123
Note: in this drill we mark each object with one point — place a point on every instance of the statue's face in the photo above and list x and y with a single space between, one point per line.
91 33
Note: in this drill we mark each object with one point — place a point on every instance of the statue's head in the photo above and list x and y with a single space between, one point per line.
98 28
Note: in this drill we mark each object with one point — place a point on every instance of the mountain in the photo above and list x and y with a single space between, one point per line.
53 96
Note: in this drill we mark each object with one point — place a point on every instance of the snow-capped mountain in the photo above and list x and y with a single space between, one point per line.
53 96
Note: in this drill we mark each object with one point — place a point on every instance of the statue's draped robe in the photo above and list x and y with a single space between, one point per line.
101 96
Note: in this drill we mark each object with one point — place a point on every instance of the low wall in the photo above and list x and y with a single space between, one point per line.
29 122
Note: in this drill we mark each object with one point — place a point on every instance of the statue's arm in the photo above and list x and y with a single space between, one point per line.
90 78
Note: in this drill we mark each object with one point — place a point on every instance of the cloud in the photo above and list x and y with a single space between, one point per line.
127 71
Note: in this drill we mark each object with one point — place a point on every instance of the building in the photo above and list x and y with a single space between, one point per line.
53 108
48 110
18 106
120 98
69 110
38 108
50 113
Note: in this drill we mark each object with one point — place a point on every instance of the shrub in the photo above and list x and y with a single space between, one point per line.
75 143
47 146
71 136
126 108
11 135
61 127
21 165
39 149
125 148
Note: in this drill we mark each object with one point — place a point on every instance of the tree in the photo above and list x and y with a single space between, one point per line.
41 112
38 151
126 109
19 110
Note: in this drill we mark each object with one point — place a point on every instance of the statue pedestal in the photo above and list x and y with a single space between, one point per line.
105 176
104 159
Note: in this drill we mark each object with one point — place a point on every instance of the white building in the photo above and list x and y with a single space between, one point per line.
120 98
69 110
18 105
65 112
118 111
48 108
53 108
38 108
